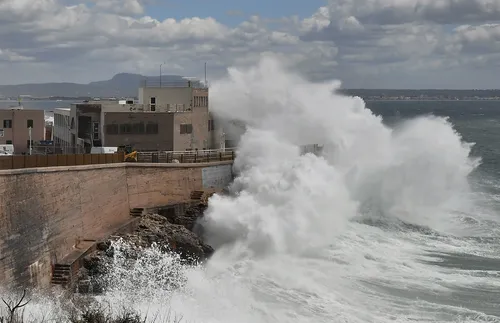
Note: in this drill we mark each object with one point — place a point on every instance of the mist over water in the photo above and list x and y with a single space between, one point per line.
384 226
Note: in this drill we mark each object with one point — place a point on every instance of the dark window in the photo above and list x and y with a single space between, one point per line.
153 107
112 129
7 123
30 123
152 100
152 128
126 128
211 125
9 142
138 128
72 123
28 143
186 128
95 130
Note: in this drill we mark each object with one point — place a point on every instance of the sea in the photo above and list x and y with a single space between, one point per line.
397 221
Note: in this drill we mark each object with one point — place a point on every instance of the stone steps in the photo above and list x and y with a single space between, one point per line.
197 195
61 274
136 212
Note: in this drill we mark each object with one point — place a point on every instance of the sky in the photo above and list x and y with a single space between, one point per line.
452 44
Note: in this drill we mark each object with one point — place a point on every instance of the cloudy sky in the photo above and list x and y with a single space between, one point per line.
364 43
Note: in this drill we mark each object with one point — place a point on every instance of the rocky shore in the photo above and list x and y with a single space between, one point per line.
171 233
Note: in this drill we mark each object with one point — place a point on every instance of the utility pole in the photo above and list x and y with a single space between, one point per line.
29 131
206 74
160 71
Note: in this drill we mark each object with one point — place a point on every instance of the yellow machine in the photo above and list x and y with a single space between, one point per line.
130 154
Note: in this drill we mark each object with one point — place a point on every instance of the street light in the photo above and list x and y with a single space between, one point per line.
160 71
29 132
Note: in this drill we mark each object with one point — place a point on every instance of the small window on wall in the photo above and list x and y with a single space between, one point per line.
7 123
152 103
30 123
8 142
211 125
112 129
186 128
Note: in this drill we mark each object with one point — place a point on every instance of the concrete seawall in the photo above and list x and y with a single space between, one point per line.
48 213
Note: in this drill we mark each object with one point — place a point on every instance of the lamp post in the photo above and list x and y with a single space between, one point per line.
29 132
160 71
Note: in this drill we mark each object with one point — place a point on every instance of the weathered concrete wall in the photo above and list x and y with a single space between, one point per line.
45 212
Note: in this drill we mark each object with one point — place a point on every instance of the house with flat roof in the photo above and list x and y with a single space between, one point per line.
15 126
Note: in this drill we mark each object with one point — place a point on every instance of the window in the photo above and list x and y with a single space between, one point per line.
152 128
138 128
95 130
152 103
186 128
30 123
211 125
126 128
28 142
201 101
112 129
7 123
8 142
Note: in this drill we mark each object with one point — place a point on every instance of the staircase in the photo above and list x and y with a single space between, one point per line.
197 195
136 212
61 275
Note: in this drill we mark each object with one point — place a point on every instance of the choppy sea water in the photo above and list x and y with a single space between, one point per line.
397 222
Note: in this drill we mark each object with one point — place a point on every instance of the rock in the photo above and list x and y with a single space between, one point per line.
172 233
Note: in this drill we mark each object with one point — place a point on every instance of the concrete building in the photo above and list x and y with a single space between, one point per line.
64 135
167 117
15 128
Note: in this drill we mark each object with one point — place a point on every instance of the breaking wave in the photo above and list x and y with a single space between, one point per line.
359 233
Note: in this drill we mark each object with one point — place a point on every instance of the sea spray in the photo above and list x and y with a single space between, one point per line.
288 248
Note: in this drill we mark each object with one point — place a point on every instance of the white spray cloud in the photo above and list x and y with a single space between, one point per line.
287 202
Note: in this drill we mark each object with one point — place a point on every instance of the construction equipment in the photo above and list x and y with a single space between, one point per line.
130 153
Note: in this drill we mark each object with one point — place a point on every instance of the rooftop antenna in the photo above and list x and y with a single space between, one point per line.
205 73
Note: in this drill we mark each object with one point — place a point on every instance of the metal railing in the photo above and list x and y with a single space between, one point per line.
187 83
189 156
137 107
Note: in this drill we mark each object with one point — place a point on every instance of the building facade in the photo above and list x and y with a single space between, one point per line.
172 118
15 125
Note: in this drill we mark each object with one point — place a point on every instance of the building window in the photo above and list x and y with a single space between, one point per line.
95 130
138 128
125 128
8 142
210 125
7 123
201 101
30 123
152 128
186 128
28 142
112 129
152 103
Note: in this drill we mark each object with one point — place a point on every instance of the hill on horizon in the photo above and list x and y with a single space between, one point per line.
120 85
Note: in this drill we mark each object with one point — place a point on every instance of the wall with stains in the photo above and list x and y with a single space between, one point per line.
46 213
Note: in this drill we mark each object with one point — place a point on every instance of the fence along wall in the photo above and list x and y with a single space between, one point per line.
27 161
46 212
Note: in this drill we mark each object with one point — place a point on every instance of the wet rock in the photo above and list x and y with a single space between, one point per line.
172 233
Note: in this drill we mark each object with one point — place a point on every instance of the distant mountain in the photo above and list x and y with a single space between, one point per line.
121 85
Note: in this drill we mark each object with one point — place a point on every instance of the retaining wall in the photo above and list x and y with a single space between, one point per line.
48 213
